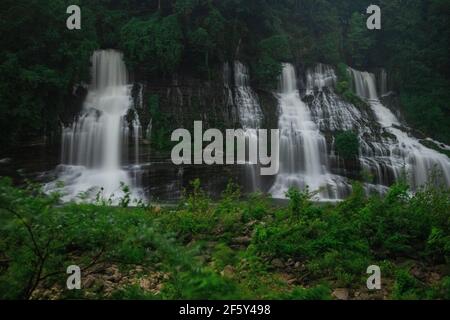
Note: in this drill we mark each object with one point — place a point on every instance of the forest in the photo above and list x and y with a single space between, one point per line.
86 117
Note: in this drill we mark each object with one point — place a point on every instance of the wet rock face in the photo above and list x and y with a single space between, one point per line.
189 100
185 99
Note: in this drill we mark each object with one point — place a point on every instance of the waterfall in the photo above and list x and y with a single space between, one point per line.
404 154
383 82
137 129
330 111
136 125
250 115
320 77
303 149
92 145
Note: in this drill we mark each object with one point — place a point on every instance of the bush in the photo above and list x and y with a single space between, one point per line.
347 145
40 239
271 53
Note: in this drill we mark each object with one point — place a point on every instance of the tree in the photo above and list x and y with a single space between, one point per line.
359 41
272 52
153 45
40 62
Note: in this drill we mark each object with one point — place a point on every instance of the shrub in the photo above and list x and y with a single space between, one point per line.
347 145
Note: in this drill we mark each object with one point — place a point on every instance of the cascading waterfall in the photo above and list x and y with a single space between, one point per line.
333 114
383 82
404 154
320 77
303 149
92 145
250 115
330 111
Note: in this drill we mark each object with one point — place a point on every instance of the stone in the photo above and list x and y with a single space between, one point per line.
251 223
139 269
242 240
434 277
277 263
145 284
341 294
89 281
228 272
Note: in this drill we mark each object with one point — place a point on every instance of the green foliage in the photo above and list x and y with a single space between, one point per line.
319 292
343 87
406 287
341 242
202 285
160 134
133 292
223 256
271 52
414 45
41 61
194 246
197 200
277 47
347 145
255 207
298 201
154 39
266 72
427 112
205 43
359 40
40 239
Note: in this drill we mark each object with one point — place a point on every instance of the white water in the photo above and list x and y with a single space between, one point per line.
250 114
320 77
406 154
303 149
250 117
330 111
383 83
92 145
